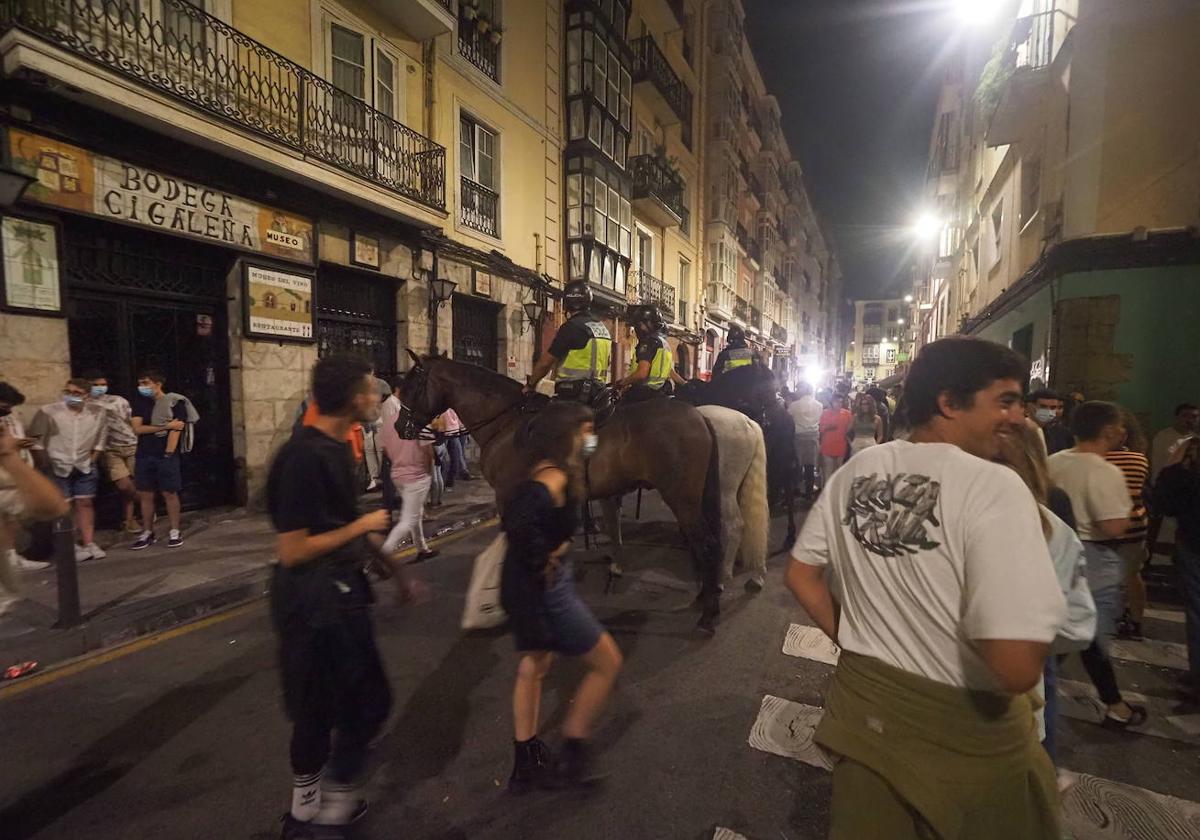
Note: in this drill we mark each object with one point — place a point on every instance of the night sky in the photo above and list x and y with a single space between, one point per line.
857 82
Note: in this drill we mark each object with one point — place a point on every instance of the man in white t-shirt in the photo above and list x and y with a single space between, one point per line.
806 415
1101 503
925 556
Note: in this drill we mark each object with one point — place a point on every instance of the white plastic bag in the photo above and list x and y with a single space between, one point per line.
483 609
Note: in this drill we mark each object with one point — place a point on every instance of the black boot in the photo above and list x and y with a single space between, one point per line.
531 766
575 765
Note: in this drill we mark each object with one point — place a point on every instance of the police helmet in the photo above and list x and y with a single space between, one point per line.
736 335
576 296
642 314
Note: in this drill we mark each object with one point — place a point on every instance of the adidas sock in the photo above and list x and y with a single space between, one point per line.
306 797
338 803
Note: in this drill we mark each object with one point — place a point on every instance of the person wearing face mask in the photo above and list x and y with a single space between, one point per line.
71 436
334 688
121 445
1103 512
537 591
160 420
653 364
1047 413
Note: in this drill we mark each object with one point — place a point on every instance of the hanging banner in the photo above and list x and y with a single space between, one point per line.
76 179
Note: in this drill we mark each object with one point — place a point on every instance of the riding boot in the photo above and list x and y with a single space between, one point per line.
532 766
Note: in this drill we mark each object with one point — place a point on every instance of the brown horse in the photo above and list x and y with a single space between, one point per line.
664 444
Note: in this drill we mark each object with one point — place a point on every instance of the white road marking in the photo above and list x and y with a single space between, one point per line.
810 643
786 728
1079 700
726 834
1150 652
1175 616
1099 809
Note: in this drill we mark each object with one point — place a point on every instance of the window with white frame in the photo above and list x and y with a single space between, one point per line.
363 66
479 195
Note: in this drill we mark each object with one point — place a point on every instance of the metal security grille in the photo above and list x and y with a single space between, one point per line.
475 335
356 315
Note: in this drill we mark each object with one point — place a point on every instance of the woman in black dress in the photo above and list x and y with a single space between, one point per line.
537 591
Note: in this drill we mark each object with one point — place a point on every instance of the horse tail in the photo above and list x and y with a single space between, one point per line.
752 500
710 505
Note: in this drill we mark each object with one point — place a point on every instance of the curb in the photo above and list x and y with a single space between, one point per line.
64 648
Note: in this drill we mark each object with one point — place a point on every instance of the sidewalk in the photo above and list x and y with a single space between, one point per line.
224 560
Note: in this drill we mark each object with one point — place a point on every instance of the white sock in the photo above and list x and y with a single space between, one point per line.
338 803
306 797
174 533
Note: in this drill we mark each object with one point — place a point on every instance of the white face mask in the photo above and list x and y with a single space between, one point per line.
1044 415
590 443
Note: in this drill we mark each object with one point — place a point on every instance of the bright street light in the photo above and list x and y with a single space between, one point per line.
908 298
927 226
899 320
976 12
814 376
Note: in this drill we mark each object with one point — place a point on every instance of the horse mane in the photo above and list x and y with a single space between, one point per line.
481 377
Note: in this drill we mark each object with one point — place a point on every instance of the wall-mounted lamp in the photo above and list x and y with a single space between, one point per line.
533 315
12 185
440 291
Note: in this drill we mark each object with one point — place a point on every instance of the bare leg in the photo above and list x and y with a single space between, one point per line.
85 520
604 663
527 693
146 498
173 515
128 498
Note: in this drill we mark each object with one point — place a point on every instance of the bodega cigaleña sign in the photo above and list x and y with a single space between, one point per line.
76 179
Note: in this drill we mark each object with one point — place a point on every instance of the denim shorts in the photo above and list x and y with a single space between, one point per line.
157 472
79 485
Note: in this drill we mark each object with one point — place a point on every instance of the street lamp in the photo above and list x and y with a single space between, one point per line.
533 314
976 12
440 291
927 226
908 298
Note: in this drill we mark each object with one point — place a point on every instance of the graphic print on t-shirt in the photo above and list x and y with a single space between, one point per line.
889 515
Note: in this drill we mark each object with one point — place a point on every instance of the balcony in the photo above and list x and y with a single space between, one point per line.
192 56
778 334
719 301
741 309
421 19
669 97
756 319
1036 41
648 289
657 191
479 208
479 43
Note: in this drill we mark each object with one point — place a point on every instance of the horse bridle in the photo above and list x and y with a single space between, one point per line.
410 426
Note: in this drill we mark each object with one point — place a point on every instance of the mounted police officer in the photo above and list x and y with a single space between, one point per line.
736 353
581 352
653 363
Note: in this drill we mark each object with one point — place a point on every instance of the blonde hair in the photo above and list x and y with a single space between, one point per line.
1022 451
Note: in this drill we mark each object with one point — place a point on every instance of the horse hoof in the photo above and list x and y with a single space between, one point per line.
755 584
615 570
707 625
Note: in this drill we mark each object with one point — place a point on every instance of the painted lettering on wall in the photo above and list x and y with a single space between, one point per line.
77 179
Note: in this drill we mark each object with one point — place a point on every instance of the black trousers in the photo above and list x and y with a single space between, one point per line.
1099 668
333 684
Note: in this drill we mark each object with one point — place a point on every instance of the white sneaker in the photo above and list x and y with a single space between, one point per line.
96 551
82 555
24 564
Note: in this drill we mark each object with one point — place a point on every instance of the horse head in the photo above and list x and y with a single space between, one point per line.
422 397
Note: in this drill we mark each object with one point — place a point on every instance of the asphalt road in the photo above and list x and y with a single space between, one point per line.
186 738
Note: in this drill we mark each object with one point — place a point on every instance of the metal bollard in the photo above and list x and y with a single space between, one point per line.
66 572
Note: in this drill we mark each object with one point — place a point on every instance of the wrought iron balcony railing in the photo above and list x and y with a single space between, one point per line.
477 47
648 289
176 48
741 309
778 334
1033 40
479 207
654 177
651 65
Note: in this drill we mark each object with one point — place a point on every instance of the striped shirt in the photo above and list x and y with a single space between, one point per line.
1136 469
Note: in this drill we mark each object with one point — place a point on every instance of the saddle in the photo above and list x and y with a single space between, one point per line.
600 398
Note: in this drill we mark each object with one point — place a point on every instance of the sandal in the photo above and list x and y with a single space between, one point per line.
1137 716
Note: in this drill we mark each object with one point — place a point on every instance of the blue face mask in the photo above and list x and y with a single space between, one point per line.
99 390
72 399
146 390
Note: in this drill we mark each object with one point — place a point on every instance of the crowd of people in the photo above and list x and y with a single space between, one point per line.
1025 523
